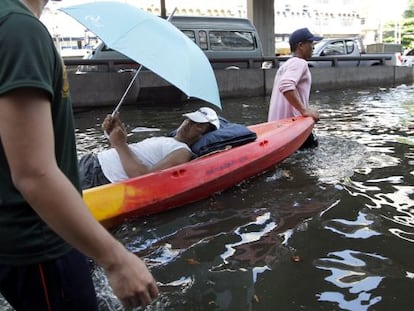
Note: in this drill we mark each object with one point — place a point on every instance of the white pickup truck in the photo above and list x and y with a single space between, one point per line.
342 52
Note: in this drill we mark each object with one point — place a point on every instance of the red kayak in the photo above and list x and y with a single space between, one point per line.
189 182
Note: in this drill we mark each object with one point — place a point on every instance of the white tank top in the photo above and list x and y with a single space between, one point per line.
150 151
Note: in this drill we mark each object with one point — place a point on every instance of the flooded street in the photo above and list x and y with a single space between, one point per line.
327 229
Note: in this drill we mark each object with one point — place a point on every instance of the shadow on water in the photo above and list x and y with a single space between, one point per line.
327 229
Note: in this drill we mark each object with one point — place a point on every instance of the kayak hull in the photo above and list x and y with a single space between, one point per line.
199 178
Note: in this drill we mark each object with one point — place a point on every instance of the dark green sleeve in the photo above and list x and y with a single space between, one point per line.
25 62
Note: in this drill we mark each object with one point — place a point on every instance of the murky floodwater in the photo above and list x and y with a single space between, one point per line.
327 229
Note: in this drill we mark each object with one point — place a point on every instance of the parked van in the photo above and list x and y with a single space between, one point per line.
228 42
223 38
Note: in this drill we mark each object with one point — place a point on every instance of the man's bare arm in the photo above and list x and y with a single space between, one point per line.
133 166
293 98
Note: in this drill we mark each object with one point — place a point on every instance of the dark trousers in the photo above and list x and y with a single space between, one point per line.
310 142
90 172
63 284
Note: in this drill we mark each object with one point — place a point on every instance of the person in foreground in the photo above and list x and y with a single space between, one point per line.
46 231
292 85
125 160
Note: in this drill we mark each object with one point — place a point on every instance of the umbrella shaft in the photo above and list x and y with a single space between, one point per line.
126 91
134 78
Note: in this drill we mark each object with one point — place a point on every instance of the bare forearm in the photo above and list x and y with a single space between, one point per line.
58 203
131 164
294 100
65 212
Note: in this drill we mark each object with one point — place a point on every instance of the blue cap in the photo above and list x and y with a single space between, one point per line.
302 35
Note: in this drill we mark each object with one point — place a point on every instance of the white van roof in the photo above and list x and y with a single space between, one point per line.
205 22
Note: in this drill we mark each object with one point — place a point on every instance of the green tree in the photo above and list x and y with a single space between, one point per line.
407 33
406 28
388 32
410 10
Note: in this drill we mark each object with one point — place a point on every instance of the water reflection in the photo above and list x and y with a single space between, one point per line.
352 279
394 202
242 250
360 228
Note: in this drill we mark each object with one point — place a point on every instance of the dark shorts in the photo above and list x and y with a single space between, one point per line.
90 172
62 284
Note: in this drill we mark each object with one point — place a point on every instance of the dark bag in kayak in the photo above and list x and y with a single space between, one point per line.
228 135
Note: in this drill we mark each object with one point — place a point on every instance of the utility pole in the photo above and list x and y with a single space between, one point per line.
163 10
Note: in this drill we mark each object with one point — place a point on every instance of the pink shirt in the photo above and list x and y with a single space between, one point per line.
293 74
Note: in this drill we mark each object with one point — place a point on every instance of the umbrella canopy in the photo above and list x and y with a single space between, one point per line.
153 42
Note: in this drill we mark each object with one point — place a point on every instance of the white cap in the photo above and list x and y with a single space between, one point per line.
204 115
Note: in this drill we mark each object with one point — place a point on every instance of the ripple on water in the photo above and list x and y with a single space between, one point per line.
335 159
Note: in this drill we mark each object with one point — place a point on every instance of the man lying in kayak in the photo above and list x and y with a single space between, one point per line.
124 160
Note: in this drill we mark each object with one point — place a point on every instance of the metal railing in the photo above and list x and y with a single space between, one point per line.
274 62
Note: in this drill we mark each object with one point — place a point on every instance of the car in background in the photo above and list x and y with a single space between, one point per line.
349 52
408 58
102 52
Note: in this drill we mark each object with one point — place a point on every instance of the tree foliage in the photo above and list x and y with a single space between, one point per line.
409 13
407 33
407 28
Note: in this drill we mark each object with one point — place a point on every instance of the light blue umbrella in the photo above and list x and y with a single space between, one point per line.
153 42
